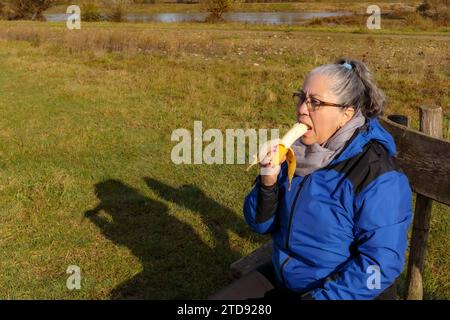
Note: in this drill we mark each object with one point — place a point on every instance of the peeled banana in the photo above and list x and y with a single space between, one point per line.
282 148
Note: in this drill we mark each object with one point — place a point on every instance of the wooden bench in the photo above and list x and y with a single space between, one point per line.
424 157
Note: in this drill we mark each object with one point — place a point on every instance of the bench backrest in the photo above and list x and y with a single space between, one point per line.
425 160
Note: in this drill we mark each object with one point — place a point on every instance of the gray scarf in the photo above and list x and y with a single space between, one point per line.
312 157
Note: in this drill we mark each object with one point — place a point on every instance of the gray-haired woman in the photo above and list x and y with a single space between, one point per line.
341 231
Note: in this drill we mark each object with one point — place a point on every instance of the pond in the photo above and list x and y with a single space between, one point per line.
289 18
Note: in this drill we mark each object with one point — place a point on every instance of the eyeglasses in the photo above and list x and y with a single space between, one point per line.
312 104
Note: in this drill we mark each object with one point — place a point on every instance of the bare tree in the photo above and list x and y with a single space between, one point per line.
217 8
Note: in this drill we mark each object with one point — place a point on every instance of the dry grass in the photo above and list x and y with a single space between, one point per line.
391 57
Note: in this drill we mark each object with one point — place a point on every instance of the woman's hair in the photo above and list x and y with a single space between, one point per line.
353 84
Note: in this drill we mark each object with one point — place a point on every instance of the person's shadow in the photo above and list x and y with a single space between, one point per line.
177 263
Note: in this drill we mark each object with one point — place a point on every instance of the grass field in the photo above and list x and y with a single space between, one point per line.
85 126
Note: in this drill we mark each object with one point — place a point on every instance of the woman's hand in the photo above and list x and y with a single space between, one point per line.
268 172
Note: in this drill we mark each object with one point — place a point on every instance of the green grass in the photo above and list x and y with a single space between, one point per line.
86 119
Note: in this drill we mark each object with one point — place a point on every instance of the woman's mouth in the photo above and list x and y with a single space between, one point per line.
309 127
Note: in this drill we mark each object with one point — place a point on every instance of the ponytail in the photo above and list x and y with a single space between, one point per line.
372 99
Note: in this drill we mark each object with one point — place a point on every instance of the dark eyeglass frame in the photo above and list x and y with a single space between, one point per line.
313 107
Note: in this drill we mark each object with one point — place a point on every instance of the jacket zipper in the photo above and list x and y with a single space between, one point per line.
283 265
292 210
355 134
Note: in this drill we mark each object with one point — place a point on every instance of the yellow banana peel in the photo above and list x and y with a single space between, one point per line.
283 148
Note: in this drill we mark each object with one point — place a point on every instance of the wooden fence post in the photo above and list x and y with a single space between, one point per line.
430 124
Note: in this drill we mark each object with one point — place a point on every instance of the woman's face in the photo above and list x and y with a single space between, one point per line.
324 121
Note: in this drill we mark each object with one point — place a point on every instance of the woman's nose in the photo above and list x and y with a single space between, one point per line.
302 109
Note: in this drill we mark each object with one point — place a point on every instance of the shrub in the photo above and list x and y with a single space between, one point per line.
438 10
118 10
217 8
90 11
25 9
423 7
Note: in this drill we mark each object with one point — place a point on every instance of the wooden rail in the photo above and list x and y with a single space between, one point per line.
424 157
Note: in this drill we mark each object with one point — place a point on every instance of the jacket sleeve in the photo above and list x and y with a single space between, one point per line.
261 204
382 216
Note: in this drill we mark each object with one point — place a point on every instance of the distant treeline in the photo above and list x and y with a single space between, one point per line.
94 10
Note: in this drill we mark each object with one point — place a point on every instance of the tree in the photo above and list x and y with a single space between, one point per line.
217 8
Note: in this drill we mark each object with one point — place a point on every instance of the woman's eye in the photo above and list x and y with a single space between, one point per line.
301 98
315 102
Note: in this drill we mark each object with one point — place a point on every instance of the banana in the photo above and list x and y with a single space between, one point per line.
283 148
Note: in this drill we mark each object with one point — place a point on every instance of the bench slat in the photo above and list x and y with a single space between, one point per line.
255 259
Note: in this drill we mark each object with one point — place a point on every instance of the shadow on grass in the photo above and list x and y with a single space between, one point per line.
176 263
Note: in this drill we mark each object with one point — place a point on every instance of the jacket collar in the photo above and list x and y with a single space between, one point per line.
371 130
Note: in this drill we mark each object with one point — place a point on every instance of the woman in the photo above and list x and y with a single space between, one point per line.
341 231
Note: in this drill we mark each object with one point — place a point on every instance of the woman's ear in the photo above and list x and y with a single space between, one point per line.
347 115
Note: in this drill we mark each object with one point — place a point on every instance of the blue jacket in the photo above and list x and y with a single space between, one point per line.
341 231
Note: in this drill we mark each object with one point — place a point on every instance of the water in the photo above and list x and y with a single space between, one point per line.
289 18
